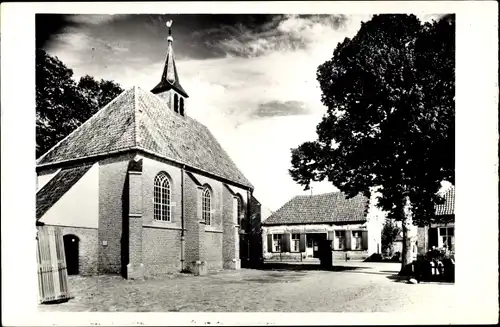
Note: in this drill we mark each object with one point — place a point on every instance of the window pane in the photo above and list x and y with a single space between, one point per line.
442 231
451 231
161 197
206 207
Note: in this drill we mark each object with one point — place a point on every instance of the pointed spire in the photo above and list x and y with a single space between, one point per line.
169 78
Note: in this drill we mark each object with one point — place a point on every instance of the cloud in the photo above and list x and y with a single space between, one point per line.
289 33
92 19
278 108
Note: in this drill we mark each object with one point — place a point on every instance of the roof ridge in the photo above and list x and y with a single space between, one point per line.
319 194
92 118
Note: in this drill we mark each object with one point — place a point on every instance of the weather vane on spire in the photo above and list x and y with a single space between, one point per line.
169 25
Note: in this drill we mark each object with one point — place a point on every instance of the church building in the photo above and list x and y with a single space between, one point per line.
142 189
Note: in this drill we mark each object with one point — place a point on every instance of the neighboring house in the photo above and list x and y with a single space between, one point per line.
442 234
142 189
294 231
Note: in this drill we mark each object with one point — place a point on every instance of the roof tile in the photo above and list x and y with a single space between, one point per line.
321 208
140 119
448 207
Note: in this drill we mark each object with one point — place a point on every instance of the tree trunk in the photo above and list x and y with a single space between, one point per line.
406 253
409 239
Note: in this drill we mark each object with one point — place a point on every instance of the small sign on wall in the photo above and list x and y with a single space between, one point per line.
104 243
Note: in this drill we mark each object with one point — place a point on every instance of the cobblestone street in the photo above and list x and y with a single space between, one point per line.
349 287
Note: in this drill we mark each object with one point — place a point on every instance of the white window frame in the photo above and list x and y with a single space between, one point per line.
277 242
357 240
206 206
295 242
446 235
340 240
162 198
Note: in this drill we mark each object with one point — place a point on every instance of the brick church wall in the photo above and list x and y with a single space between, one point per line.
88 248
161 241
213 244
112 178
161 250
191 223
161 245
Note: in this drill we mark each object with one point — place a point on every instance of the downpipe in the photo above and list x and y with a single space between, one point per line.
183 237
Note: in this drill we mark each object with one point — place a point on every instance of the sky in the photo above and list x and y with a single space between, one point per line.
251 79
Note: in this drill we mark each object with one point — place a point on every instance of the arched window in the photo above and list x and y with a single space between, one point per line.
206 205
161 199
176 103
240 212
181 106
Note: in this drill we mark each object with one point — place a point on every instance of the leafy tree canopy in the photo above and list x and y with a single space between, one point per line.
62 104
390 94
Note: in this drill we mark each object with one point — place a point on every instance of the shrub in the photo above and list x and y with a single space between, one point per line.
433 259
375 257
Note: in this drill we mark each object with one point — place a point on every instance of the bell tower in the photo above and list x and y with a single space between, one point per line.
170 88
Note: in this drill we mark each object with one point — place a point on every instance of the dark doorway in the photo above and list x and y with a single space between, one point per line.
313 240
71 250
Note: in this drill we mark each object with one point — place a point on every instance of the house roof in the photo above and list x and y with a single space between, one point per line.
321 208
448 207
138 119
51 192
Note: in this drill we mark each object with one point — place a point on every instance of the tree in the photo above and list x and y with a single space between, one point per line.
57 101
61 104
390 231
389 93
98 93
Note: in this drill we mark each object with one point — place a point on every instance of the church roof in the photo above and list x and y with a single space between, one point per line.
321 208
138 119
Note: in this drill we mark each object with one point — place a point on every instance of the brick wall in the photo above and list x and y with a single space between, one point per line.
230 241
213 244
161 241
151 167
191 222
161 250
216 187
112 194
87 255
